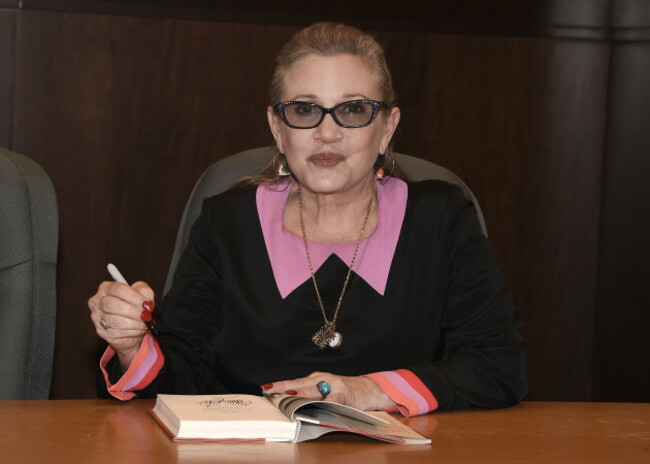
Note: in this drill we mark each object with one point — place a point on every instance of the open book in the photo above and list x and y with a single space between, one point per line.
273 417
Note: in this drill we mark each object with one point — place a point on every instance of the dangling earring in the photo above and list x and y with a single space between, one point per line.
283 170
382 161
281 167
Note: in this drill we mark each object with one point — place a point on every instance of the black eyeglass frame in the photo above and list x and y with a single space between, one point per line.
376 107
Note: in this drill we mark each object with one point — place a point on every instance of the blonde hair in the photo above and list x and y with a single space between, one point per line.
330 39
325 39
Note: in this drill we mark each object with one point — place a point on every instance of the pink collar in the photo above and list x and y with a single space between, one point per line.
287 250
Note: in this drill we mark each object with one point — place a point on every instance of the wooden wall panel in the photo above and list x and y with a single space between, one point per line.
522 121
124 114
622 314
7 72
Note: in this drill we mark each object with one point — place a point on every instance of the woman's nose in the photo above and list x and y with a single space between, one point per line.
328 130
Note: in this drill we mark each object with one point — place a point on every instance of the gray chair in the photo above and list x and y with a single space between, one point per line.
29 231
221 175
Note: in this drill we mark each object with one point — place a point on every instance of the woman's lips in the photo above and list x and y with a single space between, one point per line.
326 159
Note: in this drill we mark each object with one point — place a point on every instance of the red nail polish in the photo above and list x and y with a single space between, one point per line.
146 316
291 392
148 306
267 386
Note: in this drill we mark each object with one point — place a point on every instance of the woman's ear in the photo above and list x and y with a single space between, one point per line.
390 125
275 124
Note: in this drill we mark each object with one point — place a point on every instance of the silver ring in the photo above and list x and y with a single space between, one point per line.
103 323
324 388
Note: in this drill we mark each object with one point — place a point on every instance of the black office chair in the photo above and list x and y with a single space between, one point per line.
29 232
221 175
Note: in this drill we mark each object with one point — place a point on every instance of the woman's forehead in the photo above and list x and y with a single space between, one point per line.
330 77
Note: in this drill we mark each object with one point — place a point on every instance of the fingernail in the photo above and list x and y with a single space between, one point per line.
148 306
146 316
291 392
267 386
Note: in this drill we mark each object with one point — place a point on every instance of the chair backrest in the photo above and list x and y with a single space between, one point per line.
221 175
29 233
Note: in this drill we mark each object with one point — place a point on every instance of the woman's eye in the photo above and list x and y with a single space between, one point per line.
353 109
304 110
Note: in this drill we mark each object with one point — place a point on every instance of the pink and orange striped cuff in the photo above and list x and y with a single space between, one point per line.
407 390
143 369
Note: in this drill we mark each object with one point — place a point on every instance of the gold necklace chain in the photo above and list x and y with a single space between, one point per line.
327 335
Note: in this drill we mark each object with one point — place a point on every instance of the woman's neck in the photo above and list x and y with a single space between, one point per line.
332 218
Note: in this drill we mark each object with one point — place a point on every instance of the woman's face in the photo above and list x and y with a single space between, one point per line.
330 158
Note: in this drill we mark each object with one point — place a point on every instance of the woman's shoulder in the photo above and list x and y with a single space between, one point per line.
230 204
243 202
443 207
231 197
435 190
438 202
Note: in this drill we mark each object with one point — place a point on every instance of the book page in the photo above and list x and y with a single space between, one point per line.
289 405
398 429
392 431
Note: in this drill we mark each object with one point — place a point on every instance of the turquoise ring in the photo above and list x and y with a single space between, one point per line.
324 388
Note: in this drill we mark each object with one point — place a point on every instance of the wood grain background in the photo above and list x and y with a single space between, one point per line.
542 108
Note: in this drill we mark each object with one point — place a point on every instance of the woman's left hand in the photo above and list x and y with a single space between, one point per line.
359 392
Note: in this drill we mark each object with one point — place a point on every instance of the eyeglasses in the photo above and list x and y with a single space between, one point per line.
350 114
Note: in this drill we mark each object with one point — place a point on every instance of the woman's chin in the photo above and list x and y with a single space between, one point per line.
326 185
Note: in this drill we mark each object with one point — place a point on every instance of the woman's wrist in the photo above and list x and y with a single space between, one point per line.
125 357
381 399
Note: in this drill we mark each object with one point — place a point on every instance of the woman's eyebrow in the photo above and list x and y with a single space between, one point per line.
311 97
356 96
306 96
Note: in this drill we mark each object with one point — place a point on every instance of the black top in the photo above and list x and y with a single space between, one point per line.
446 314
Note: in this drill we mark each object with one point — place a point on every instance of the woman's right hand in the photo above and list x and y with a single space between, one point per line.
115 311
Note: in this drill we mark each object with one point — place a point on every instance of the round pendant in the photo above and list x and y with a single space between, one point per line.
336 340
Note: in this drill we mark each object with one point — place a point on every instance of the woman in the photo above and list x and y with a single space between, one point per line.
325 276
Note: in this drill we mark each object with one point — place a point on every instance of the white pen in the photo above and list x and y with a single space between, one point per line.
146 315
116 274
